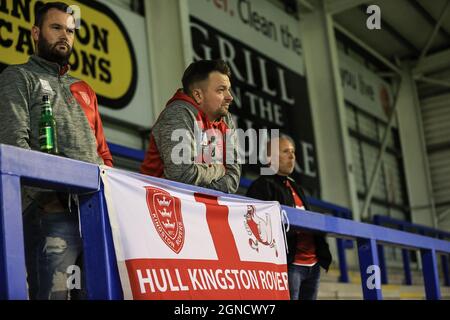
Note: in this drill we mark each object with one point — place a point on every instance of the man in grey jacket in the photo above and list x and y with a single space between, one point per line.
52 239
194 140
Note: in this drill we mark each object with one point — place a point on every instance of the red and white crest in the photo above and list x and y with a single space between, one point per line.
165 212
259 229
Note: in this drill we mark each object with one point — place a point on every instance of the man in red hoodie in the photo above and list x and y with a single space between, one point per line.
194 139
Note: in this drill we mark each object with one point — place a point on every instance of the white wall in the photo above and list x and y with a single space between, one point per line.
168 35
123 3
327 101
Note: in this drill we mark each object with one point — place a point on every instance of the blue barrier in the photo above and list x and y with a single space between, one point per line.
411 227
35 168
130 153
341 244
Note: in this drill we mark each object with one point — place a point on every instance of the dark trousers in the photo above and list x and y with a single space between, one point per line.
303 282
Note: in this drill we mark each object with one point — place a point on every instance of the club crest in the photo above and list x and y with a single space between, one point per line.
259 229
165 212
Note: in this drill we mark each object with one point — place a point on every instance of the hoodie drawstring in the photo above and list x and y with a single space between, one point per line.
286 227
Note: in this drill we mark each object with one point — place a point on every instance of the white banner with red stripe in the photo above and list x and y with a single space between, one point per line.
174 243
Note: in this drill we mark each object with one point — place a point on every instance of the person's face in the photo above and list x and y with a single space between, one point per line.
285 156
55 37
214 95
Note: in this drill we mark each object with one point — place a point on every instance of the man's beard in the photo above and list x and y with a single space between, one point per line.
49 52
223 111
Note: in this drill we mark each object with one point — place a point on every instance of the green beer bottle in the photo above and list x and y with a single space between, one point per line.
47 128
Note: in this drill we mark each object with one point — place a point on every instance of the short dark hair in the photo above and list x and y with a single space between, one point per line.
200 70
41 11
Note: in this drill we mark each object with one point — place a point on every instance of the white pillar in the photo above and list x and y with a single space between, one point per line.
328 110
169 47
415 161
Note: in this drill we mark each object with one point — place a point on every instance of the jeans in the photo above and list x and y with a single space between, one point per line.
52 248
303 282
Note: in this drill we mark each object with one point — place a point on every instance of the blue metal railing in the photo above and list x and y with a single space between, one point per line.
35 168
341 244
416 228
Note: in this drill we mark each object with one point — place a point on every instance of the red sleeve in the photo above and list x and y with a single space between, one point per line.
102 146
152 164
90 108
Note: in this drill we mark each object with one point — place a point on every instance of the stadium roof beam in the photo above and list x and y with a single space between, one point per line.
368 48
389 28
434 33
433 62
337 6
427 16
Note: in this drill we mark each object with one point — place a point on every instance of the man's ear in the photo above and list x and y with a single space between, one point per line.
35 33
197 94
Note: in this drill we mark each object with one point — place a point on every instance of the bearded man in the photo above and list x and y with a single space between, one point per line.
51 227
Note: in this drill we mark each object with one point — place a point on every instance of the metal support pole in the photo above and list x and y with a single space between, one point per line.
406 267
373 177
445 271
383 267
381 256
433 33
13 283
430 274
406 263
370 269
438 82
100 266
444 263
343 268
341 245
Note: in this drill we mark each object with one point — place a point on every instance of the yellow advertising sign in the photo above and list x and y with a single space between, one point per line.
102 55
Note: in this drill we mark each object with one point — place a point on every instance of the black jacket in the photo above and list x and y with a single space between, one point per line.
273 188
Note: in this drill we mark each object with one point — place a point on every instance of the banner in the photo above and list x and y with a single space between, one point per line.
174 243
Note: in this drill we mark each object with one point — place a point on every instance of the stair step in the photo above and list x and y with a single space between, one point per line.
331 289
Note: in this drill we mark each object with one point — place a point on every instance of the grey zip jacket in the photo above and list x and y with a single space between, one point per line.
74 104
186 147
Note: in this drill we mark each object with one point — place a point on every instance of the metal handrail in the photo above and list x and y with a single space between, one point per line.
39 169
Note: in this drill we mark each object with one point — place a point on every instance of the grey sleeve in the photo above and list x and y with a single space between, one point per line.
14 108
176 144
229 183
15 122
